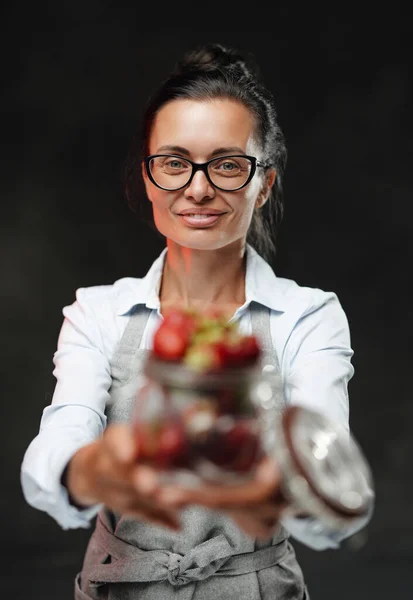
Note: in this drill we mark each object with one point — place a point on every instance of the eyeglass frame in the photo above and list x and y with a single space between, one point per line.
204 168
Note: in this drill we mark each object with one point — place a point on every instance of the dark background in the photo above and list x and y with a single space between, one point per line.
75 78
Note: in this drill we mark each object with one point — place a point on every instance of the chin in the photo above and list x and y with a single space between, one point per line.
216 242
201 245
199 239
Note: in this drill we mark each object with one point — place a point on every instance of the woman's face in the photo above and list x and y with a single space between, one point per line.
203 130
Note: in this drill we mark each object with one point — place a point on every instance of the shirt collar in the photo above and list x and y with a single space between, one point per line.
261 285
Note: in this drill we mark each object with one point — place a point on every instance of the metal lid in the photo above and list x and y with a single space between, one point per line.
325 472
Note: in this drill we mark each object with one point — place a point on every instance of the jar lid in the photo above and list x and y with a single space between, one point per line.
325 471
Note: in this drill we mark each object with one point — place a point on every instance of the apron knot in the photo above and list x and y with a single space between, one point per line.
215 556
200 562
175 577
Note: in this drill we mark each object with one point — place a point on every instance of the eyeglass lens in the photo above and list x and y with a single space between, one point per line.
172 173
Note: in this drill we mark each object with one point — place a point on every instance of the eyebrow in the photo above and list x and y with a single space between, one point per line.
216 152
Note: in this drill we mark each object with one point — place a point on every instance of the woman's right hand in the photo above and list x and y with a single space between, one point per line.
108 471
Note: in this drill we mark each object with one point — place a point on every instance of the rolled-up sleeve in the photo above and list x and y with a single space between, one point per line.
319 370
75 417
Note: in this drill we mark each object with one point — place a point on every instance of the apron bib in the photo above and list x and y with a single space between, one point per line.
210 557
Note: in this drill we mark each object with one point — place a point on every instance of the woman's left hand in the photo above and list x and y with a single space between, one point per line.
255 506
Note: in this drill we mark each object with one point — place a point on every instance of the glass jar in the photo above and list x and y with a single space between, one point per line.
216 426
199 425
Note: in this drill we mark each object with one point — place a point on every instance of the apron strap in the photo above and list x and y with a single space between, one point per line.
212 557
128 348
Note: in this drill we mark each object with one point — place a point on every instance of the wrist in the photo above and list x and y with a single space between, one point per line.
76 481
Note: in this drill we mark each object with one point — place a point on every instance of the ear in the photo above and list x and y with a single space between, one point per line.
146 181
266 187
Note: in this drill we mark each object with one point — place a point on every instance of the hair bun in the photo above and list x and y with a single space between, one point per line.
213 57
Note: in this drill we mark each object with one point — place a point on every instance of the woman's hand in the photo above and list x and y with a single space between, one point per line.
107 471
255 506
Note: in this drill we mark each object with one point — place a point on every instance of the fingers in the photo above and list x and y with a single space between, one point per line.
134 490
145 480
259 489
121 447
120 443
253 525
124 485
268 472
106 471
129 504
155 516
132 496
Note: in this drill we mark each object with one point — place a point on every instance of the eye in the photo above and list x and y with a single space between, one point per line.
172 165
175 163
227 165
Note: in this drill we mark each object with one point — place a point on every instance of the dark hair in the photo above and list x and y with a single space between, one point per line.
213 71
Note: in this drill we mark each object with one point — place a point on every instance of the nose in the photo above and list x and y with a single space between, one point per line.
199 189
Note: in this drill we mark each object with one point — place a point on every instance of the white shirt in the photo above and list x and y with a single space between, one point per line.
310 334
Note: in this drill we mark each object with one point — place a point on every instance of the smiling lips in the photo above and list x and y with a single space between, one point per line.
201 217
201 211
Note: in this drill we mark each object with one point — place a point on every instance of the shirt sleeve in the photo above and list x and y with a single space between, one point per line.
75 417
319 371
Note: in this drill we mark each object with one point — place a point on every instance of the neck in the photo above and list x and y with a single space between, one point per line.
202 278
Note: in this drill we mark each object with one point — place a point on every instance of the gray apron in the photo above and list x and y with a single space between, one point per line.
210 557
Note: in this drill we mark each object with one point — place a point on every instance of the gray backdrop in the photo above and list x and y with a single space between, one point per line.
75 78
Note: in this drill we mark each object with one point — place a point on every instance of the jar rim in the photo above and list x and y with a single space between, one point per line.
176 374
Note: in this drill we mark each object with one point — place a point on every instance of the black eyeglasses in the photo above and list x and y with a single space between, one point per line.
228 173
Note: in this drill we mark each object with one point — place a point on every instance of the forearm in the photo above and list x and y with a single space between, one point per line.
47 458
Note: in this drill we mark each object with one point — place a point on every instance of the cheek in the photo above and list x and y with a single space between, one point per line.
162 208
253 189
161 201
244 204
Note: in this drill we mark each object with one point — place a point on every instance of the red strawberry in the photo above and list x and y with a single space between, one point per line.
250 349
245 350
173 447
162 444
170 343
245 442
223 351
234 449
181 318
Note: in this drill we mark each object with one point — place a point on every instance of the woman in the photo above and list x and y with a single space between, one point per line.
212 164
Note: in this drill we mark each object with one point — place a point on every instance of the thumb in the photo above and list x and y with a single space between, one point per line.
120 442
268 472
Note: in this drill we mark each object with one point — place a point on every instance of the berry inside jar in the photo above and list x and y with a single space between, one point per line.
196 413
